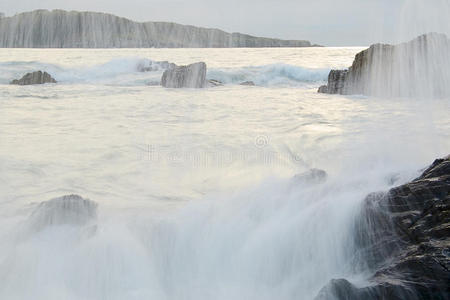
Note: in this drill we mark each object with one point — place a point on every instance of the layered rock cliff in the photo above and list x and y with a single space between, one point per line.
419 68
63 29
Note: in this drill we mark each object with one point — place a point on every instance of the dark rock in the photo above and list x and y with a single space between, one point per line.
191 76
419 68
214 83
341 289
403 236
66 210
249 83
336 82
37 77
323 89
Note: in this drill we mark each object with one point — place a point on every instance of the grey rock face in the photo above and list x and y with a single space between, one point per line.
37 77
63 29
419 68
191 76
404 238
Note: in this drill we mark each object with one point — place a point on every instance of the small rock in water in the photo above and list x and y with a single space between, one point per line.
312 176
214 83
66 210
37 77
249 83
191 76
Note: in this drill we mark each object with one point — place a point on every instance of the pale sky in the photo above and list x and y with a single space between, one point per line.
326 22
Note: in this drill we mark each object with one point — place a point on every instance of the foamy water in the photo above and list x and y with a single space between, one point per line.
195 190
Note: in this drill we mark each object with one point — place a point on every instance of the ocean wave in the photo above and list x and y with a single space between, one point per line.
141 71
121 71
270 75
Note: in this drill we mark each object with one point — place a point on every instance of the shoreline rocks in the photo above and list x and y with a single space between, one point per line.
37 77
190 76
404 238
419 68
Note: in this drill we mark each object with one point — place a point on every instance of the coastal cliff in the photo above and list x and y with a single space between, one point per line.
63 29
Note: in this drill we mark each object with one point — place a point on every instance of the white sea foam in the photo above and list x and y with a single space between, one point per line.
128 71
196 189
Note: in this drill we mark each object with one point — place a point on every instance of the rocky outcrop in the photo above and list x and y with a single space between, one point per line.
336 82
66 210
419 68
404 238
63 29
37 77
190 76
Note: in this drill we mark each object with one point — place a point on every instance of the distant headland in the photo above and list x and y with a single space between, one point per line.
73 29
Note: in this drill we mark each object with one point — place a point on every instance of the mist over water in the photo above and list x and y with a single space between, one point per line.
196 194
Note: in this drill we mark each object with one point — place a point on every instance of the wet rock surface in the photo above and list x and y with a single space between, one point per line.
214 83
404 237
190 76
416 68
37 77
66 210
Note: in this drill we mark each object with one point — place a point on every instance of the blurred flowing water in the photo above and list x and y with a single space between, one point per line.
194 193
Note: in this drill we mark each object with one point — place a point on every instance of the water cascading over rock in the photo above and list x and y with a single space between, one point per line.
419 68
66 210
403 237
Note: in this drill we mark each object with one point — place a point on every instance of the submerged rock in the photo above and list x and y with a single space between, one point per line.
66 210
313 176
249 83
37 77
419 68
190 76
404 238
214 83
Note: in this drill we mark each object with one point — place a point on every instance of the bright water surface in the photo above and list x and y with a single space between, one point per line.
195 190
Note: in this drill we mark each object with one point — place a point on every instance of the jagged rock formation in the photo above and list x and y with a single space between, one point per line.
190 76
37 77
63 29
404 237
419 68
